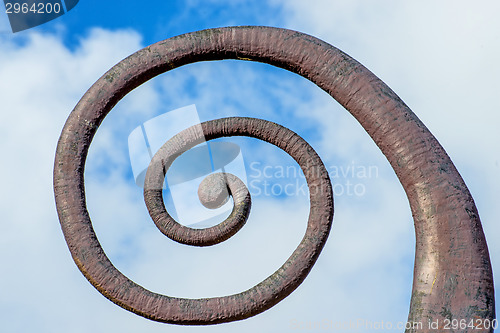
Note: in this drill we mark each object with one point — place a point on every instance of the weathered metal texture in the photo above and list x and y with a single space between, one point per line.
452 273
314 171
221 184
94 264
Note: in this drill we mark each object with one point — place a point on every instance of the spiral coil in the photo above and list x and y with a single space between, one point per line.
449 239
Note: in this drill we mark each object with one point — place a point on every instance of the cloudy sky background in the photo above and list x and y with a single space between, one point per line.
440 58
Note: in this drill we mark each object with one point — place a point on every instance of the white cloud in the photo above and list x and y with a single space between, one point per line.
41 82
44 88
441 58
365 269
120 219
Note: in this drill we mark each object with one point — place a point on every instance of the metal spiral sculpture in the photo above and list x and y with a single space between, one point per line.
452 273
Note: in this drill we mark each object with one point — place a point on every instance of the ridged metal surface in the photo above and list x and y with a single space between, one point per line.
452 273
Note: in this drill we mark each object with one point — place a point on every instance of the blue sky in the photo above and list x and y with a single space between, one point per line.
441 58
157 20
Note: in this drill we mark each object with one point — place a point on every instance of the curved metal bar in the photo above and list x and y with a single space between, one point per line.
92 261
221 183
452 275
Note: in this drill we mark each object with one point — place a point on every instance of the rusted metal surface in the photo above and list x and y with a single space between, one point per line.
92 261
452 273
213 192
290 142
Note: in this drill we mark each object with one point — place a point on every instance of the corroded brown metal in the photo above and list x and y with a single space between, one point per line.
452 273
213 196
314 170
92 261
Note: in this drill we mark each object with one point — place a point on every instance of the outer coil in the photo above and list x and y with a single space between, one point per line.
452 276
